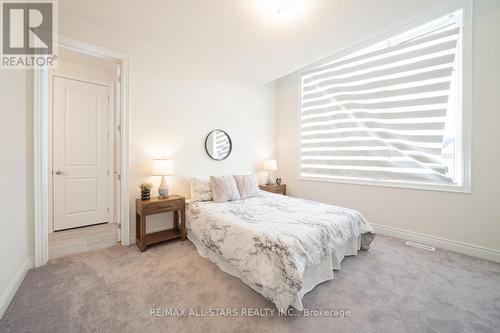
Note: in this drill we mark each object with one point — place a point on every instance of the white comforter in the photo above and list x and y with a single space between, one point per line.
271 239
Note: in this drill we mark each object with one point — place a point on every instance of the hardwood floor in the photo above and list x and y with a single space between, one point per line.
81 240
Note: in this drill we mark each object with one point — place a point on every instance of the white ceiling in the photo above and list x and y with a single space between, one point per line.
239 36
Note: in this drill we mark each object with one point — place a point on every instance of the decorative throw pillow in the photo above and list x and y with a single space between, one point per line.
247 185
224 188
200 189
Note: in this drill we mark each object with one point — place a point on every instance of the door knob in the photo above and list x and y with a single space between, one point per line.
59 172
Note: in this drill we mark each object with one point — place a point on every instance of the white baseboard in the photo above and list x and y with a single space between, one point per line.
14 284
450 245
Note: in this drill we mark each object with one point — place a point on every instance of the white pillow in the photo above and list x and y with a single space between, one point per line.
247 185
200 189
224 188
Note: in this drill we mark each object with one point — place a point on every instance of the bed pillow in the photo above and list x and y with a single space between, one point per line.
224 188
247 185
200 189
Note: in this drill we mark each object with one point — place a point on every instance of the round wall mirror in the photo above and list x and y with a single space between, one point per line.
218 145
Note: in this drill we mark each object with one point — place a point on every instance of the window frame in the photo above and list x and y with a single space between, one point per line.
465 81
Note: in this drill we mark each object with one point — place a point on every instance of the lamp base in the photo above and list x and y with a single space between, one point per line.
163 189
269 179
162 193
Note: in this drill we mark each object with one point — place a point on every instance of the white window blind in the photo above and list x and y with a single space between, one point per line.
389 112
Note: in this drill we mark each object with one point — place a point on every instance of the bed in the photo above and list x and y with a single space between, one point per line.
280 246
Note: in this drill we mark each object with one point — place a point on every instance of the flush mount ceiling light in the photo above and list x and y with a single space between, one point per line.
278 6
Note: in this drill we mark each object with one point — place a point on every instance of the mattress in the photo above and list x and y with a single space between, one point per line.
280 246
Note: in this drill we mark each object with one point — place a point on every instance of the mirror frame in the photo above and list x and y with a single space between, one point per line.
230 145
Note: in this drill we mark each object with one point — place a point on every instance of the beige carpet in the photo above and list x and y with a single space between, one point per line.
391 288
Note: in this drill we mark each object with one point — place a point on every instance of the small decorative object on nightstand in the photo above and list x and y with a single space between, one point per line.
145 190
278 189
171 203
163 167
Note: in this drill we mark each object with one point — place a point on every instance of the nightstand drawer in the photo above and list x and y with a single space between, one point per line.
164 206
278 189
158 206
275 190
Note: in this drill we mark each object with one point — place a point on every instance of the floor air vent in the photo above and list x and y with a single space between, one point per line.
421 246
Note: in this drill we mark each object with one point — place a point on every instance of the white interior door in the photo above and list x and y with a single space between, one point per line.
80 153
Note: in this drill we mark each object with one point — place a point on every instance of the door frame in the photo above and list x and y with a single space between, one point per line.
110 143
42 172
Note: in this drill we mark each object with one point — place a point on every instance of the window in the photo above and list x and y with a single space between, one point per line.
390 113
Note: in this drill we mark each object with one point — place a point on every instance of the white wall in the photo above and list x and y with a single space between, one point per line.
468 218
16 221
174 105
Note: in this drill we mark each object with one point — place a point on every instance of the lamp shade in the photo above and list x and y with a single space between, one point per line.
163 167
270 165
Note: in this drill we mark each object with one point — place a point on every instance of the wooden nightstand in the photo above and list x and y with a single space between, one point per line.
172 203
278 189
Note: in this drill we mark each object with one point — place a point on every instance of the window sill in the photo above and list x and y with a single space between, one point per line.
465 189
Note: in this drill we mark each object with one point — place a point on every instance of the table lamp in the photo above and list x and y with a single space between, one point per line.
270 165
163 167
